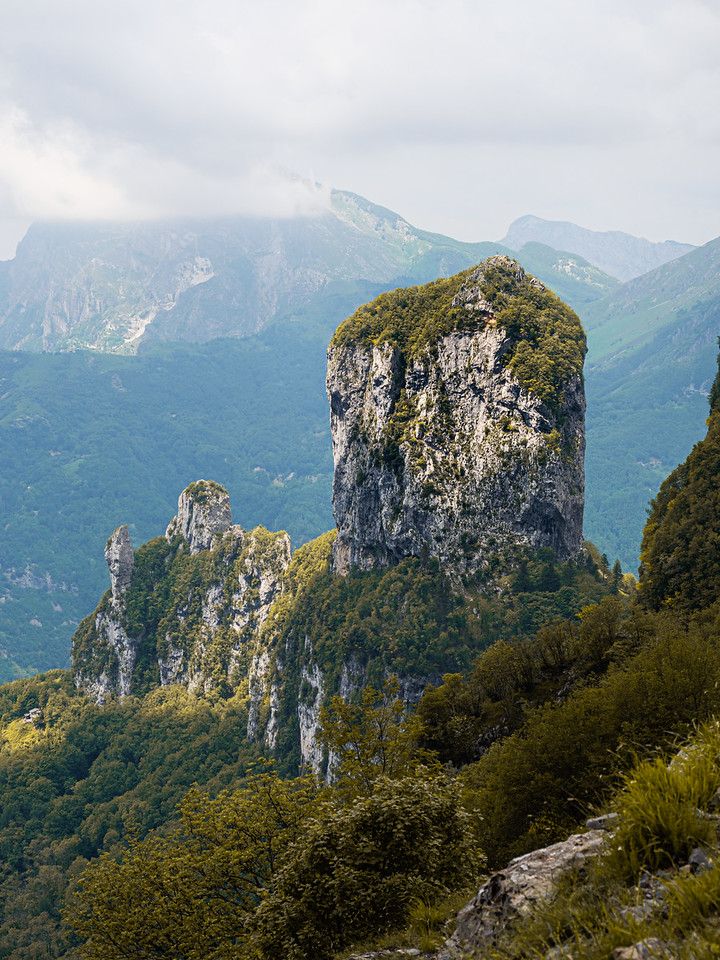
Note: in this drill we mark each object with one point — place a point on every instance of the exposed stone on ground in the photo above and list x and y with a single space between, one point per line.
608 821
649 949
34 716
652 887
400 952
514 892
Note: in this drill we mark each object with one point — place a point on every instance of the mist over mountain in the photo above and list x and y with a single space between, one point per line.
114 286
619 254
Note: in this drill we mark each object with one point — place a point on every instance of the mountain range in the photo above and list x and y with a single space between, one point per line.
619 254
649 370
116 286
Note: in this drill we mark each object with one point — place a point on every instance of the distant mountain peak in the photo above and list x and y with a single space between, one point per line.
620 254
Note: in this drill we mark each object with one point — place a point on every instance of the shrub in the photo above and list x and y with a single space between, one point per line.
536 785
358 869
659 820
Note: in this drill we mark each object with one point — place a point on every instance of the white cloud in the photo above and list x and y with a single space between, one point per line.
459 114
50 172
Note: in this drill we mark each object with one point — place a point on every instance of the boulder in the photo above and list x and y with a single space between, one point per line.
514 892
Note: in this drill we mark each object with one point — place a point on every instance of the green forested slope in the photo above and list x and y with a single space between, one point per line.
681 542
630 316
80 780
89 441
646 408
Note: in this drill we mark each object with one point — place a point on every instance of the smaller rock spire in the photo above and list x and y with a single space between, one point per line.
203 514
120 559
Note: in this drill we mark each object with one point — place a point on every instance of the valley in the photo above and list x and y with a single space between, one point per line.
90 439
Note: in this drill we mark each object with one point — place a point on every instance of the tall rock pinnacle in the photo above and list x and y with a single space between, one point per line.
203 513
457 417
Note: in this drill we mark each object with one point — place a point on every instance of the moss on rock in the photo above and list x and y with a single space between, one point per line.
548 342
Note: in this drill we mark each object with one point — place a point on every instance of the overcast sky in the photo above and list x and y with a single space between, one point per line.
459 115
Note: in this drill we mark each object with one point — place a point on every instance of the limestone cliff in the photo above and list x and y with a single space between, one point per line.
457 413
187 608
115 670
203 514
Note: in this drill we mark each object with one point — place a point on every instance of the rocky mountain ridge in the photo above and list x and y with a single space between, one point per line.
218 603
622 255
491 465
113 287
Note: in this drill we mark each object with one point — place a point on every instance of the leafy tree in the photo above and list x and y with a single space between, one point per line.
192 894
358 867
372 738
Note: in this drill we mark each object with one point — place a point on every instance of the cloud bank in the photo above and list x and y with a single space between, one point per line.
460 115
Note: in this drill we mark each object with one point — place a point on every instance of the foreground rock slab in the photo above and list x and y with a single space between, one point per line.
513 892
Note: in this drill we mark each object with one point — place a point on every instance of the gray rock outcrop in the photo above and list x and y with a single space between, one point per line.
515 891
203 514
115 650
213 620
651 948
120 559
444 452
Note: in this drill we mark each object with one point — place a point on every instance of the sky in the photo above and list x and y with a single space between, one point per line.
459 115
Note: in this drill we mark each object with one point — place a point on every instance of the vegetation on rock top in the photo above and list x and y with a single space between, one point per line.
548 342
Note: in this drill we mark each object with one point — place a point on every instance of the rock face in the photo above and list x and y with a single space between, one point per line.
444 447
203 514
120 559
114 650
220 583
515 891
